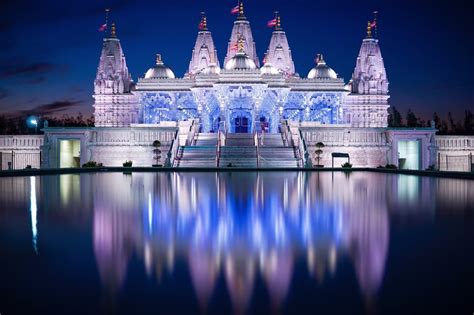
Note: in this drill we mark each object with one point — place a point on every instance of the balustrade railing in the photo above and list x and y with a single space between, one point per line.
28 142
173 151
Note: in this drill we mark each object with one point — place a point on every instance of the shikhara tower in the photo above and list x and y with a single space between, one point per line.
238 95
115 104
367 104
278 54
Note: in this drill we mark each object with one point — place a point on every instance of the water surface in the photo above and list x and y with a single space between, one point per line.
223 243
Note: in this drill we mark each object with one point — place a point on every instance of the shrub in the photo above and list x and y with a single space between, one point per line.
391 166
127 164
91 164
431 168
318 152
28 167
157 152
346 165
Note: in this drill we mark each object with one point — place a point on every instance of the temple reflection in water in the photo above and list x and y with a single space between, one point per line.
241 226
241 240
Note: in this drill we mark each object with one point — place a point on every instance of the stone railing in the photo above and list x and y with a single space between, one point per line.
455 143
18 152
344 136
141 136
21 142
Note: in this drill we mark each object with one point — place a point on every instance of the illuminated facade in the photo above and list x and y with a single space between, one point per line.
241 96
219 102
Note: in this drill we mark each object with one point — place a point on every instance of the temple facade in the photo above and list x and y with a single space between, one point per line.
241 112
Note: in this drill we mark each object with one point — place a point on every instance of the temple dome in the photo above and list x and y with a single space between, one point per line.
240 62
160 71
269 69
322 70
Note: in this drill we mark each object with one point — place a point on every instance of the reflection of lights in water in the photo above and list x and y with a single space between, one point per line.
252 232
150 213
408 186
34 211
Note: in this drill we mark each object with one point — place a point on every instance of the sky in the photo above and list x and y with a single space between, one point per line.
50 49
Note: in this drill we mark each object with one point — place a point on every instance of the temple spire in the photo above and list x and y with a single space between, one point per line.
204 53
279 53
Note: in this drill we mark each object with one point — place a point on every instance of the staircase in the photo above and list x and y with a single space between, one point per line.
201 154
240 150
274 152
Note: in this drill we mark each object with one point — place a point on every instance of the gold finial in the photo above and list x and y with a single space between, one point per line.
203 24
369 30
241 8
113 31
158 59
240 44
278 21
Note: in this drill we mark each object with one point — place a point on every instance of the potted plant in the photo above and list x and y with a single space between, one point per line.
346 165
91 164
127 164
157 153
318 153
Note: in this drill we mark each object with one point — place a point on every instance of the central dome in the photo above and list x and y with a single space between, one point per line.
160 71
322 70
240 62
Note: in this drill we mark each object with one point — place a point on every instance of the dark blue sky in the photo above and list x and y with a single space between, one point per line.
50 49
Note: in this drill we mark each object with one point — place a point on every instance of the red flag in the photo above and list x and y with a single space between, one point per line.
235 10
234 46
272 23
201 26
102 28
373 24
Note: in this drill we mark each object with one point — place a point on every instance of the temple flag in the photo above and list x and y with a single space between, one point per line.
201 26
272 23
102 28
235 10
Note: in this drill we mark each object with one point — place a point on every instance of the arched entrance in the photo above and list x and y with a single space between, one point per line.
241 122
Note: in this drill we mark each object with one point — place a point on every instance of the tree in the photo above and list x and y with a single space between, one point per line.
394 117
412 120
468 123
318 152
157 144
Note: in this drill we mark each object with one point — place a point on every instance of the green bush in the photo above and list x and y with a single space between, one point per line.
91 164
127 164
391 166
346 165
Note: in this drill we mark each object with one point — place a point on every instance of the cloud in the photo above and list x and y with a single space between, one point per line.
37 68
52 108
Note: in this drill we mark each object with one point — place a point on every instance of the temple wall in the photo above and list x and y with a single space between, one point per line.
17 152
114 146
455 153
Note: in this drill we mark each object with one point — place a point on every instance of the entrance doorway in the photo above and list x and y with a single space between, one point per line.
241 124
69 153
409 155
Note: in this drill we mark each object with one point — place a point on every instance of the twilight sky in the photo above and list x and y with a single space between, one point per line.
50 49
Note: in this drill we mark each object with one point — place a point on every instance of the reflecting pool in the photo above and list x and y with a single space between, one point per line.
236 243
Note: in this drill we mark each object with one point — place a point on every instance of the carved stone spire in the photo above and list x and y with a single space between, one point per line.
279 52
112 73
204 52
242 28
369 75
115 105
